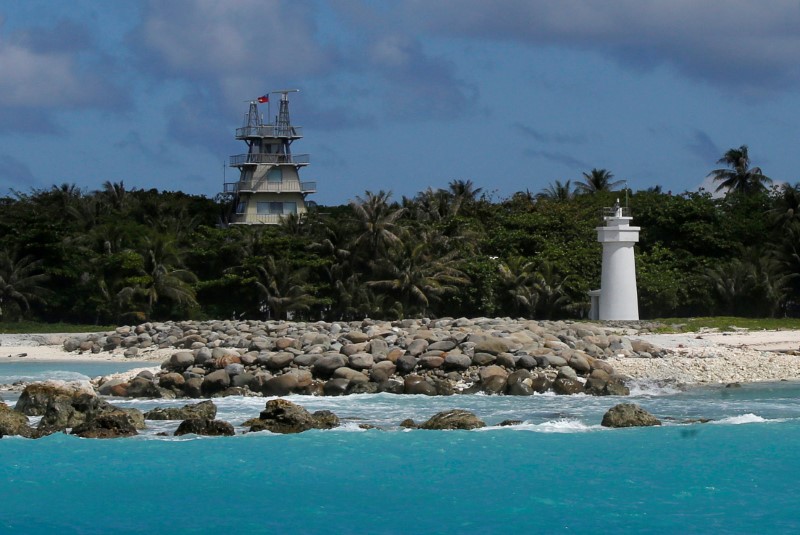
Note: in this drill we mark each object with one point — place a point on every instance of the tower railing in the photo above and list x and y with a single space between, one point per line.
286 186
269 130
615 211
244 159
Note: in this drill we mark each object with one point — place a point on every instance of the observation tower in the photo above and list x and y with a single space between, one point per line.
269 186
617 298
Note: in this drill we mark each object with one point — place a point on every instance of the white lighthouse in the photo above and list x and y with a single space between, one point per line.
617 297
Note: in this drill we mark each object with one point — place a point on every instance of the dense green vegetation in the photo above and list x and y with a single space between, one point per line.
121 256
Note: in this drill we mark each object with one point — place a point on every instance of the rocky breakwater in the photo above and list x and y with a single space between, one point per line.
432 357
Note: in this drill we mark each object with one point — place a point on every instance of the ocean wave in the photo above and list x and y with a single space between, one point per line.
652 388
748 418
348 427
55 375
563 425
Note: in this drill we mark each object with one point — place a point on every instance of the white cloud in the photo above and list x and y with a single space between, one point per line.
194 38
731 43
31 79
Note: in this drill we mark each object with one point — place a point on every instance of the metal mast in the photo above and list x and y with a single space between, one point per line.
283 125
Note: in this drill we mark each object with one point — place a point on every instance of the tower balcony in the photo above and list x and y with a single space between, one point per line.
261 158
263 186
269 130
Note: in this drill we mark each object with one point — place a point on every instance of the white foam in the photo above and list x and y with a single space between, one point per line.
348 427
563 425
652 388
748 418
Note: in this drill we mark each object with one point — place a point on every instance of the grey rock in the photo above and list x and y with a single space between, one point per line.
361 361
406 364
327 364
336 387
453 419
628 415
457 361
215 382
206 427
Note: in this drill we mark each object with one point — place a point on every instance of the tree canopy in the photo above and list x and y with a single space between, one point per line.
123 255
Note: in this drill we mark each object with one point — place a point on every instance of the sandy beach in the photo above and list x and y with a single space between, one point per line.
691 358
49 347
717 357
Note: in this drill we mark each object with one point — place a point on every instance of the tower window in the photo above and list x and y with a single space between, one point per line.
276 208
275 175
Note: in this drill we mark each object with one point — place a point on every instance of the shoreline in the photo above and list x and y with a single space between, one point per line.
689 359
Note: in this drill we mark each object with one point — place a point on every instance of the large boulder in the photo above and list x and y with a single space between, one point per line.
457 362
61 405
382 371
203 410
36 397
13 422
453 419
205 426
282 385
628 415
327 364
181 360
415 384
112 424
406 364
567 386
282 416
493 345
140 387
215 382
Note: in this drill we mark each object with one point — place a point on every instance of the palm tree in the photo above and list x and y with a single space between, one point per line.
115 198
517 282
163 275
282 287
464 193
549 286
419 273
431 205
740 177
377 221
597 180
786 210
20 284
557 191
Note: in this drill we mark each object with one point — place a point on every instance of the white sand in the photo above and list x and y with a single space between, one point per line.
712 357
49 347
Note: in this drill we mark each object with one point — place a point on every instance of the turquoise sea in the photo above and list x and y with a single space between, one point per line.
558 471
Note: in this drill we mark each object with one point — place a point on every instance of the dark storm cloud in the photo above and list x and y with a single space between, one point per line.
733 44
703 148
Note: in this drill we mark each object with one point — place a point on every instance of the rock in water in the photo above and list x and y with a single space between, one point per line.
205 426
281 416
113 424
205 410
628 415
13 422
453 419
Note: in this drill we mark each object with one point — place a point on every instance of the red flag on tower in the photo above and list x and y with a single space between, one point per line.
264 98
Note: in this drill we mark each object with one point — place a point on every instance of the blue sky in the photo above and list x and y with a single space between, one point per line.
398 96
